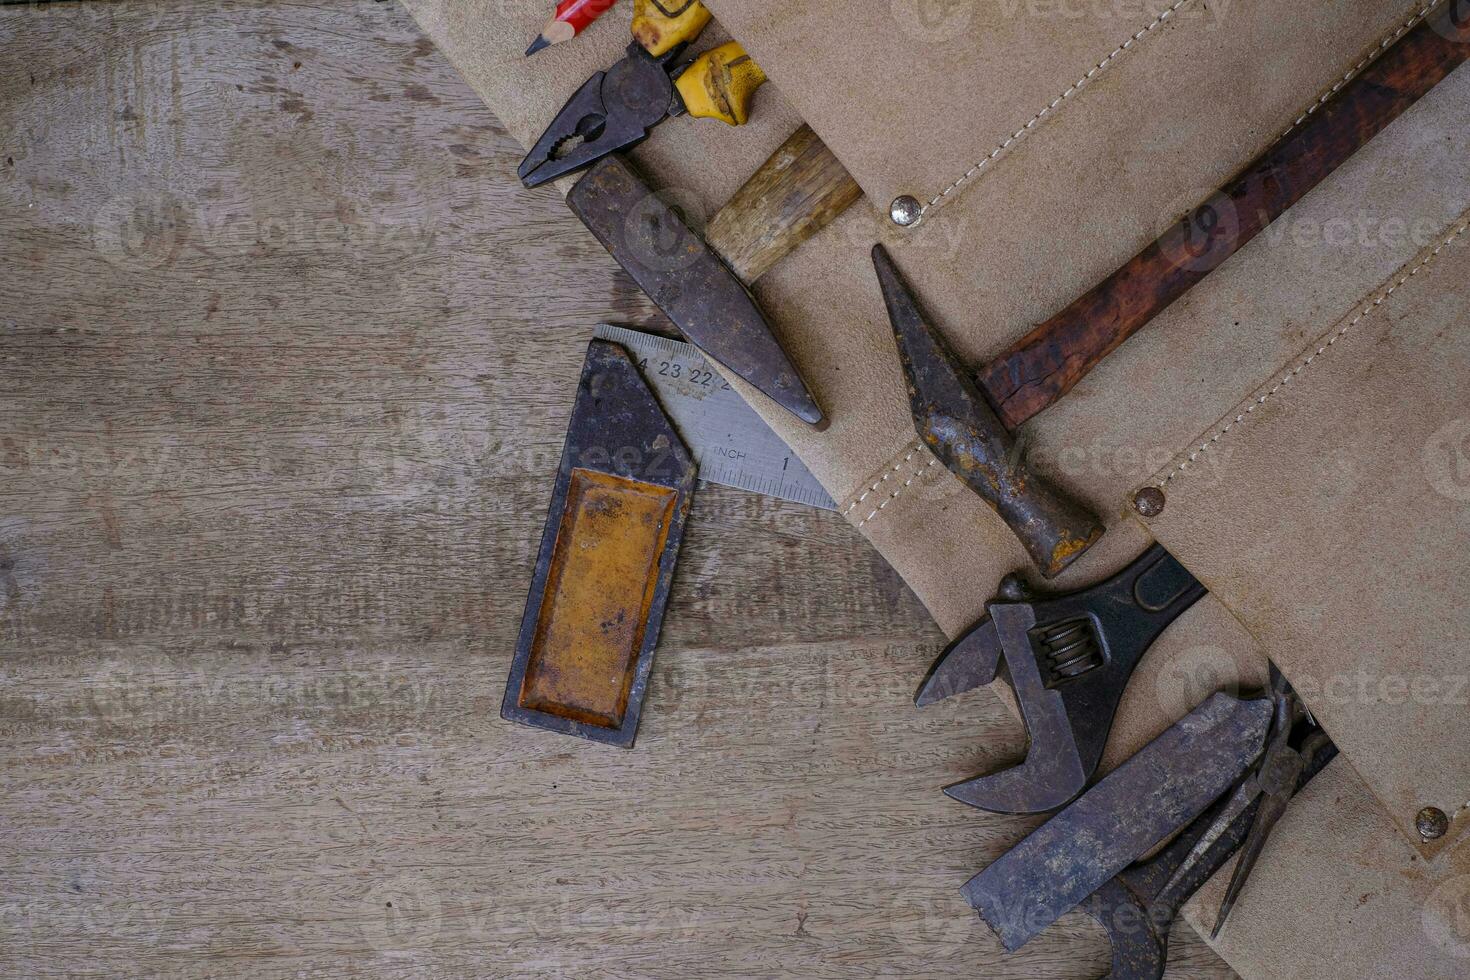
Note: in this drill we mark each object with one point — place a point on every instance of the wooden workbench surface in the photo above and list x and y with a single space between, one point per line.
288 353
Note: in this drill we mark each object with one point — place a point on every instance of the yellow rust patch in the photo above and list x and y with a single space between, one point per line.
1070 547
604 572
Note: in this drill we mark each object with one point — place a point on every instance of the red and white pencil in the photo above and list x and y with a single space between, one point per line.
570 19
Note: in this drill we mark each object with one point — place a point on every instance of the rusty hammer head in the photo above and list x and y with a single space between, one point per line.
956 422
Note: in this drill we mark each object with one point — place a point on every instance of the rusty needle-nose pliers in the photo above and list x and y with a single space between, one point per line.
1274 780
615 109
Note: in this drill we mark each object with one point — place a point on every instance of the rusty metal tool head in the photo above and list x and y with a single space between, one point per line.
606 561
688 281
1267 790
1138 906
1164 786
1070 658
960 427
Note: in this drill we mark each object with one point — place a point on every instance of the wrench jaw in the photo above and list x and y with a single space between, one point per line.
1055 770
971 661
1069 658
1047 780
974 659
1140 941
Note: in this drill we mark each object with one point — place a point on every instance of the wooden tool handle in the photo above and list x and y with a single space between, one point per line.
720 84
1046 363
794 195
662 25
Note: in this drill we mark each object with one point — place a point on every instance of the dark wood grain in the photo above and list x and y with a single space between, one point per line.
1045 364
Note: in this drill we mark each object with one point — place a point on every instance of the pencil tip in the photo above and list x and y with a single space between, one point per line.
537 45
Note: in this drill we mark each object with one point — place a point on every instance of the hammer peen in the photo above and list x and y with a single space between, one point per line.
967 423
956 422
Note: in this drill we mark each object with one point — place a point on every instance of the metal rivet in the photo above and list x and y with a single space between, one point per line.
1432 823
1149 501
906 211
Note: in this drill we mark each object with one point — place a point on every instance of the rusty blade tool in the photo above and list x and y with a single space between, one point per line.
1070 658
959 426
606 561
1165 785
688 281
1138 906
701 283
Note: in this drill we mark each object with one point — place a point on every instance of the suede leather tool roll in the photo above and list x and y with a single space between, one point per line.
1165 119
1338 526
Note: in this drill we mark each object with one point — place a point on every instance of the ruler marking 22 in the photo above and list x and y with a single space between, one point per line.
732 444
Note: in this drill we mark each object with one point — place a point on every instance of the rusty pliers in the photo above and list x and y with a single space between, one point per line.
1274 780
616 109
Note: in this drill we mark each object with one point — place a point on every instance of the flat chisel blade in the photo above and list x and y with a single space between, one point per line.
1166 785
689 282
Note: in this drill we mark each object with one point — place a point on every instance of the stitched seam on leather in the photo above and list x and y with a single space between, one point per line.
1353 71
1035 120
894 495
909 451
1087 79
1321 350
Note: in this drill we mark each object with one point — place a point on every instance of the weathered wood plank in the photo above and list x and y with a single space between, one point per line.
287 358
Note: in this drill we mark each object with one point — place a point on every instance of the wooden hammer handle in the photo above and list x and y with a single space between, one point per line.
1046 363
794 195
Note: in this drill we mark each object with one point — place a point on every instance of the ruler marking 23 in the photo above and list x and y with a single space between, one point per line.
732 444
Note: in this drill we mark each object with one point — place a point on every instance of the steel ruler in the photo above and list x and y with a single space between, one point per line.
732 444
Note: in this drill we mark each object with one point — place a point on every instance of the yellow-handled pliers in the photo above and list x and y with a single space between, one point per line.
615 109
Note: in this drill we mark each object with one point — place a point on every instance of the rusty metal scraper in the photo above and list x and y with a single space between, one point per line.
1163 787
1137 907
606 562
